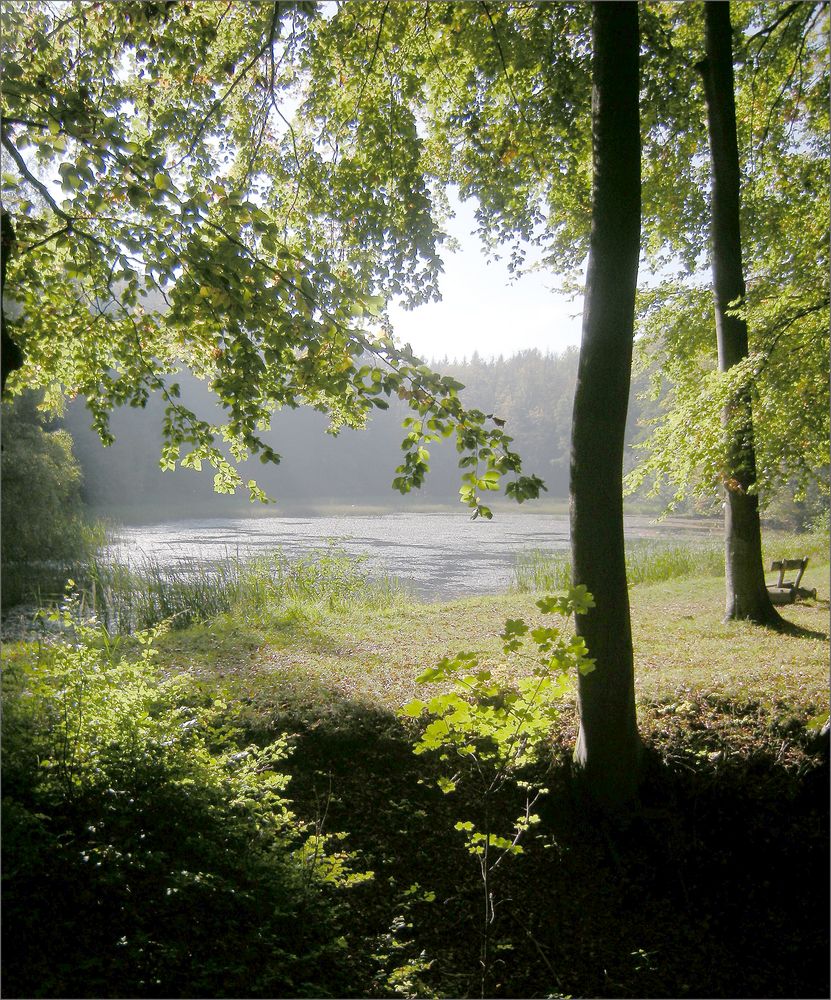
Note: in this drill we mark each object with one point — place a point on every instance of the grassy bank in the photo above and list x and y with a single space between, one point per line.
370 658
652 561
717 888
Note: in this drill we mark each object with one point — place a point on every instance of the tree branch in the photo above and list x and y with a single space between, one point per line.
779 330
217 104
371 61
519 108
38 185
42 189
45 240
768 30
783 89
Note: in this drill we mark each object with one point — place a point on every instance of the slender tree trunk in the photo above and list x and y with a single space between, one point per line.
608 747
11 357
746 594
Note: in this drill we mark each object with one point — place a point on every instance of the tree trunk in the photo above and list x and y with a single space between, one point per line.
11 357
746 594
608 748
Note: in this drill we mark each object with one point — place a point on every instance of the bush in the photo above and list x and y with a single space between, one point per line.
146 852
45 530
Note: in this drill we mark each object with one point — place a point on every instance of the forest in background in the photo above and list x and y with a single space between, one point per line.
532 392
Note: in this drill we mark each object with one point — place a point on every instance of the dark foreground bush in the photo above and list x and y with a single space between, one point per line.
145 853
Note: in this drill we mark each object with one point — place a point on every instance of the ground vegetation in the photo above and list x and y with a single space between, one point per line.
729 847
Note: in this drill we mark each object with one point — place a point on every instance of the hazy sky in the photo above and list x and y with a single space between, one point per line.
482 310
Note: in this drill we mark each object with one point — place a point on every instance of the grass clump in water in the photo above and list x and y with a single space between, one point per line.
537 570
254 591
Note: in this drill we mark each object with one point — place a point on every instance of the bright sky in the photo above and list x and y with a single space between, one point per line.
483 310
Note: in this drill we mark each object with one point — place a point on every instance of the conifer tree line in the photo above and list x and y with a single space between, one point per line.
532 392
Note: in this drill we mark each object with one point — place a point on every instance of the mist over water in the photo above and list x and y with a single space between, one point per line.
439 556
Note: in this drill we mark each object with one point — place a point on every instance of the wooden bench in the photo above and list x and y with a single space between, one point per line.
786 591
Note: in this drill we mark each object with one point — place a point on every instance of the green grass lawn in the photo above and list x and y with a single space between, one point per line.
314 666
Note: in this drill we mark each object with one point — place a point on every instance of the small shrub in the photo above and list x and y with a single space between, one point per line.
487 734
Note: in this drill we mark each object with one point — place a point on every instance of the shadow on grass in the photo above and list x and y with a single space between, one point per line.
227 640
799 631
718 887
784 626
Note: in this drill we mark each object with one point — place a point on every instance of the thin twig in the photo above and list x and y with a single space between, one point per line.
783 89
371 61
218 103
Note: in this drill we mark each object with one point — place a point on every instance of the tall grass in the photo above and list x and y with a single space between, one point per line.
259 590
536 570
651 561
796 545
647 561
40 580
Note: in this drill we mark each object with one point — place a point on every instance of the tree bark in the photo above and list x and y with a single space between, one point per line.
11 357
607 751
746 594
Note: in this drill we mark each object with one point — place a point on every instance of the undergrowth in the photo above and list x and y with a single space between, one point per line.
149 849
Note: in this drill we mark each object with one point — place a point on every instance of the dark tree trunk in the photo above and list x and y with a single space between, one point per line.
607 746
746 594
11 357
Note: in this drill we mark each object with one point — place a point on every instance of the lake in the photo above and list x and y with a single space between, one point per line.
439 556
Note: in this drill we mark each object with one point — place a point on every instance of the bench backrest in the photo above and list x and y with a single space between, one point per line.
785 564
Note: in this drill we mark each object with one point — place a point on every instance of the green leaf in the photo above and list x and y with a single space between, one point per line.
413 709
513 627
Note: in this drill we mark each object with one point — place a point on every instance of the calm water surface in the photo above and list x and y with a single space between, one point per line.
439 556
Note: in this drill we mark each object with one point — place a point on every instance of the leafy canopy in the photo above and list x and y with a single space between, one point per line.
239 189
501 96
169 215
782 95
